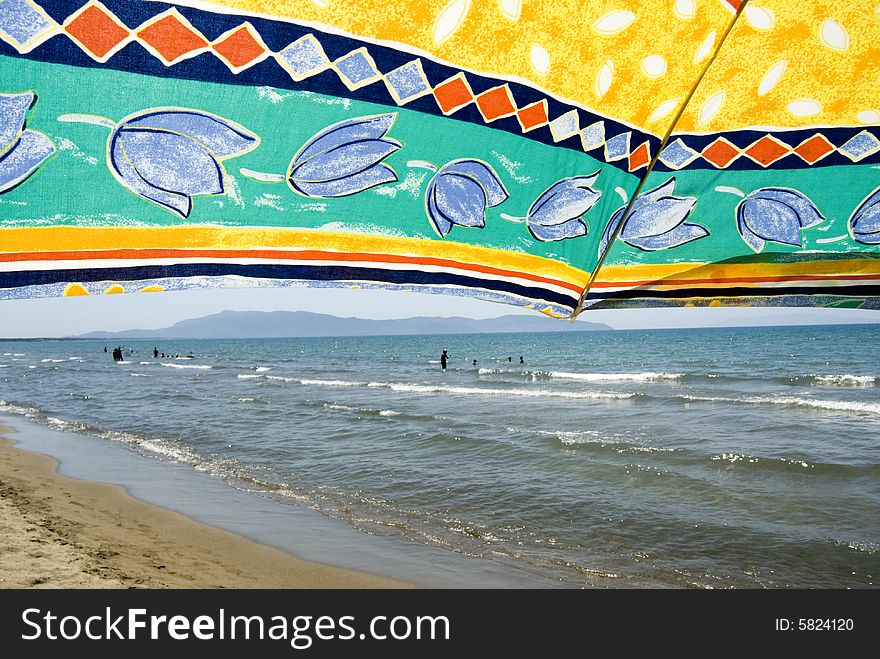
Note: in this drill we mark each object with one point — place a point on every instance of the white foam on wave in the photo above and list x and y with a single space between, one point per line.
140 375
575 437
867 547
263 369
337 406
53 361
200 367
448 389
157 446
647 376
791 401
733 458
10 408
277 378
4 365
845 380
489 371
62 424
362 410
602 438
476 391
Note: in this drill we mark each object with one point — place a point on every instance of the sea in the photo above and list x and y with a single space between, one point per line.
687 458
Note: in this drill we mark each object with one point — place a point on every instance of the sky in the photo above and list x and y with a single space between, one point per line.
70 316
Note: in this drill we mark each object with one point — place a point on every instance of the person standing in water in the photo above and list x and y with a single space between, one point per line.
521 360
443 358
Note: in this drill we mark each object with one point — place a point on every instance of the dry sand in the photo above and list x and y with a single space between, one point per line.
59 532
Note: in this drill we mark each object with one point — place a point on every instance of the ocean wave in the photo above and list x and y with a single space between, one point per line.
200 367
481 391
844 380
790 401
140 375
450 389
276 378
360 410
64 425
866 547
263 369
647 376
617 443
745 458
334 383
4 365
21 410
53 361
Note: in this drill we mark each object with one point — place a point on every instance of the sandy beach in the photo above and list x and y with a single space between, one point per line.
58 532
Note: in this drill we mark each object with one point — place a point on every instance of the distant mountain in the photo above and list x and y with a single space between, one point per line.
275 324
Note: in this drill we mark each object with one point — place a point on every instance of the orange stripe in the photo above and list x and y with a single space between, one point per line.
304 255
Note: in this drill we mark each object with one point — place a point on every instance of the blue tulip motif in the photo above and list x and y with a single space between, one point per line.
341 160
558 212
170 155
460 192
777 215
22 150
656 221
864 223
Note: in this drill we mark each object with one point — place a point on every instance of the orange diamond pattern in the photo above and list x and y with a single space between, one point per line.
720 153
640 157
532 116
496 103
96 31
171 38
767 150
99 33
814 149
452 94
239 48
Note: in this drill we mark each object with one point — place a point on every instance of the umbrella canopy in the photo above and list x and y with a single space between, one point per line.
555 155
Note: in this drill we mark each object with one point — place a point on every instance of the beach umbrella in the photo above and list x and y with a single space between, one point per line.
559 155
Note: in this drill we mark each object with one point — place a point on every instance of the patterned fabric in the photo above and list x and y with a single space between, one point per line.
556 155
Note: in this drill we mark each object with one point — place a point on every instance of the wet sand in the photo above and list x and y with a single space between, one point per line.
59 532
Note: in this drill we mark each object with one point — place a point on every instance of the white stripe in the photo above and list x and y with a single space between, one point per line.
381 265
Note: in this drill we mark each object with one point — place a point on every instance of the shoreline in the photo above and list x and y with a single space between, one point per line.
57 475
61 532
